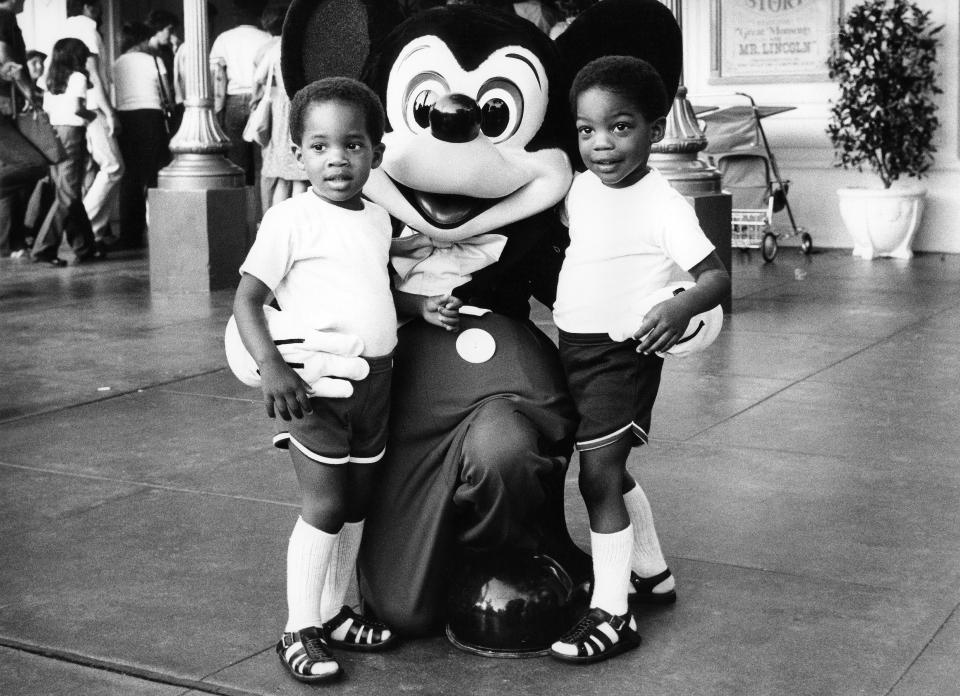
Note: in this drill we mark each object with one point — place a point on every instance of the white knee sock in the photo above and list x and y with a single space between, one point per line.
647 558
611 569
308 555
340 572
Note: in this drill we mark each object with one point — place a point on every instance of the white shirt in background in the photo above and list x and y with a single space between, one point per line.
237 48
136 80
62 108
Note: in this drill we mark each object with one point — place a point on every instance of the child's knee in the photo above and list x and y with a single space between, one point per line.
325 512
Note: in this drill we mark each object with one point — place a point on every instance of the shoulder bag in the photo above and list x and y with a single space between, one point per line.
260 121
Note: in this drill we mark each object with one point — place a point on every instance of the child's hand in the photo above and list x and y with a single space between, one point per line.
284 392
442 311
662 327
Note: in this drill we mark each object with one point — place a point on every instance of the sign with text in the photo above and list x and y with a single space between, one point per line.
769 40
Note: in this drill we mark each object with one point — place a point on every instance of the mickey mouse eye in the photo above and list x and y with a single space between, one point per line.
501 108
422 104
421 94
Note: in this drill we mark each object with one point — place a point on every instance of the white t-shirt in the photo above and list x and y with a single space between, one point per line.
137 82
83 28
624 244
237 48
62 108
328 266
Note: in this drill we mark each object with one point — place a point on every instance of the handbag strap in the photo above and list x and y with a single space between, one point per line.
165 102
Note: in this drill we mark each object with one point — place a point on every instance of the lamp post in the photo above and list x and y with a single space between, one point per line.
676 155
199 146
202 216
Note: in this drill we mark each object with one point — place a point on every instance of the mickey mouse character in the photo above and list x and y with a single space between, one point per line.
478 138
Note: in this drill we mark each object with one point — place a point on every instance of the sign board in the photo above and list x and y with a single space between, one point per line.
772 40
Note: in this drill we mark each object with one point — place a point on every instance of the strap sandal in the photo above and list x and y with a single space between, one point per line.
643 590
599 635
306 656
351 631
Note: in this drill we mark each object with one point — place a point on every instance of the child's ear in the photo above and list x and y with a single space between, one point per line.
298 154
378 150
658 129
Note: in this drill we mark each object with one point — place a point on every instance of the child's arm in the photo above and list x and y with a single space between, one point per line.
665 323
439 310
284 392
83 112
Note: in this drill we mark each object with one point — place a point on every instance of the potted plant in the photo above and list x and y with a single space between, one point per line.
884 61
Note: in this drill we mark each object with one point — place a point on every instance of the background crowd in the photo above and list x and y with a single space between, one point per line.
114 122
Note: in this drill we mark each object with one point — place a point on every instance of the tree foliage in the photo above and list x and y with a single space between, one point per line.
884 60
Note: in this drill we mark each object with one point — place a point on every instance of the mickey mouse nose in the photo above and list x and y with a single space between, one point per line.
455 118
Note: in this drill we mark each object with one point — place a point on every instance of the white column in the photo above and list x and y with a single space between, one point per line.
199 145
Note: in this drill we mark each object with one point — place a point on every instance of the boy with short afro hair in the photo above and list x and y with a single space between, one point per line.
324 256
628 230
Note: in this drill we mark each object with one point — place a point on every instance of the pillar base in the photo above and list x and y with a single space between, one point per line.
199 238
713 211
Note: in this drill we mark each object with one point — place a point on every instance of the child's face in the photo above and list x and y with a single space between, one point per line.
35 67
336 152
614 136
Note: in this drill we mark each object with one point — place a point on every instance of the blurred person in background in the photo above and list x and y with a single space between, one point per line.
233 52
140 79
106 164
281 175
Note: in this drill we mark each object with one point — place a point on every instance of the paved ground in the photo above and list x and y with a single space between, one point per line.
804 474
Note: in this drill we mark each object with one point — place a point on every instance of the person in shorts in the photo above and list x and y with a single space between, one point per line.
628 231
324 254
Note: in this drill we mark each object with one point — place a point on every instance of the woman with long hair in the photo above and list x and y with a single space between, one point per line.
65 102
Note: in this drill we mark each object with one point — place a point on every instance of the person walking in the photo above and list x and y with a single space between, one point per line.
233 52
140 81
280 175
82 19
16 88
65 102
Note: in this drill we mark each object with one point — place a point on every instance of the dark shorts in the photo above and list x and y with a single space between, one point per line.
613 388
353 429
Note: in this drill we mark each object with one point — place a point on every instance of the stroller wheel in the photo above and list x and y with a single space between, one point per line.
768 247
806 243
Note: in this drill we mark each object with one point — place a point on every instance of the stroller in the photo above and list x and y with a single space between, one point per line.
738 148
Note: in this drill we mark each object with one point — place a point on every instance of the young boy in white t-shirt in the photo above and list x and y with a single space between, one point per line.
324 256
628 230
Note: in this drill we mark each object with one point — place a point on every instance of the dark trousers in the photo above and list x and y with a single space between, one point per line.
12 209
245 155
143 145
67 215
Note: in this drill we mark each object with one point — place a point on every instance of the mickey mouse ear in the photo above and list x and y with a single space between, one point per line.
326 38
643 29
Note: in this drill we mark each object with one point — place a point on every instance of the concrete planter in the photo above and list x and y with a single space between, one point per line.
882 222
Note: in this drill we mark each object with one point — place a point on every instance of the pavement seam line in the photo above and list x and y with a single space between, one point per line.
119 668
926 645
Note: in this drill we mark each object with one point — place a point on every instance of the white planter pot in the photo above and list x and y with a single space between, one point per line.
882 222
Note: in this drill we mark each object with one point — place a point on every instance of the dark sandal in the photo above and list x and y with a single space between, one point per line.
313 651
589 642
643 589
362 634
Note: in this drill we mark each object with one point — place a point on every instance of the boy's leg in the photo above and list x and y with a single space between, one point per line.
657 583
611 537
302 648
342 626
360 480
322 489
608 628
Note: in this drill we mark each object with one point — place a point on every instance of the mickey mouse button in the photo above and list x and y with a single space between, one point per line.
476 345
